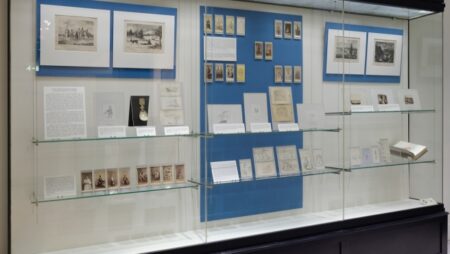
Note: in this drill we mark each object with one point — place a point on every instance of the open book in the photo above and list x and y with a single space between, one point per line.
406 149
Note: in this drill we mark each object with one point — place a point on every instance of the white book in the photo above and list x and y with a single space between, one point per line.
405 149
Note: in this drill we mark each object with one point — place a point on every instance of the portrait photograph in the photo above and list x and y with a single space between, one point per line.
142 176
278 73
382 99
297 74
297 30
76 33
268 50
287 29
207 23
409 99
384 54
99 179
218 24
240 73
144 37
219 72
167 171
124 178
230 73
346 49
229 20
86 181
112 178
155 174
259 50
287 74
278 28
180 174
208 72
240 26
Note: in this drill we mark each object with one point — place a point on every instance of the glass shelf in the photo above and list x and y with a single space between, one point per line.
280 132
346 113
381 165
134 190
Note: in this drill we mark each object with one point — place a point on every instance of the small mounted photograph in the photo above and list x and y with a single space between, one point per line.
219 72
297 30
268 50
287 29
218 24
259 50
86 181
167 174
240 26
112 178
99 179
124 178
155 174
240 73
278 29
180 175
142 176
230 25
278 72
208 23
382 99
230 73
297 74
208 72
287 74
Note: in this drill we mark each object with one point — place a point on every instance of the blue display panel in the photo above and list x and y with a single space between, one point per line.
109 72
351 77
256 196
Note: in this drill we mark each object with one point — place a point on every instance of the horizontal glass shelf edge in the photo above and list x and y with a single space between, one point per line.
381 165
278 132
346 113
134 190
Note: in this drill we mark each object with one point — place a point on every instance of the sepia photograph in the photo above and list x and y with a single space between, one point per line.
167 173
207 23
155 174
219 72
124 177
278 28
218 24
208 72
229 20
346 49
113 178
280 95
409 100
278 73
287 29
230 73
180 175
384 52
144 37
240 73
268 50
240 26
86 181
75 33
287 74
297 30
142 176
297 74
382 99
99 179
259 50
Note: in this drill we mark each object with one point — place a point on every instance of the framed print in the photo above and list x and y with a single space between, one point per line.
268 50
297 30
278 28
259 50
86 181
229 20
409 99
297 74
240 73
208 72
278 73
219 72
287 29
245 166
218 24
346 50
306 159
142 175
155 174
230 73
124 178
384 54
287 74
144 41
207 23
240 26
99 179
167 171
287 160
112 178
280 95
75 38
180 174
224 114
264 159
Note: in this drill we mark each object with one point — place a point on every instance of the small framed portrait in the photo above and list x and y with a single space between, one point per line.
278 72
155 175
219 72
180 175
167 171
287 74
207 23
142 175
230 73
99 179
124 178
86 181
268 50
259 50
287 29
240 70
297 74
208 72
278 28
240 26
230 25
218 24
112 178
297 30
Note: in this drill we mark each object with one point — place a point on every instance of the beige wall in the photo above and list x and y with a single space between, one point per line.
3 128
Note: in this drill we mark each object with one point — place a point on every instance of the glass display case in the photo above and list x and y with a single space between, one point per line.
142 126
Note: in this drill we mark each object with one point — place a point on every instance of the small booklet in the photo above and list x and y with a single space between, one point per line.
406 149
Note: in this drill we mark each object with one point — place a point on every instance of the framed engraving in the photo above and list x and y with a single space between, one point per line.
297 74
76 33
99 179
306 159
280 95
278 28
264 159
347 49
86 181
230 73
155 174
207 23
287 160
384 54
208 72
240 73
142 175
113 178
259 50
287 29
180 174
297 30
124 178
144 37
268 50
287 74
219 72
240 26
229 25
218 24
278 73
245 166
167 171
